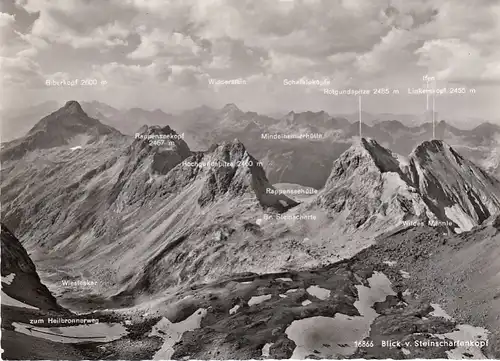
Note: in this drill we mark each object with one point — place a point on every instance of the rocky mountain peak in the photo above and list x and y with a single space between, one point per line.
237 173
158 111
455 188
157 130
156 135
164 144
67 125
434 183
391 125
231 107
70 118
368 188
73 107
488 126
364 154
425 151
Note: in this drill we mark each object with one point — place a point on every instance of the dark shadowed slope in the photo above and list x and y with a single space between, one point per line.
20 280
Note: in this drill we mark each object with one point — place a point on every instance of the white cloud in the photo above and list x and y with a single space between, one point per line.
186 76
118 74
80 24
458 61
6 20
158 42
383 55
281 63
21 72
46 28
178 44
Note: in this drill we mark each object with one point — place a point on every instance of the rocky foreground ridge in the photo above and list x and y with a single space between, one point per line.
386 302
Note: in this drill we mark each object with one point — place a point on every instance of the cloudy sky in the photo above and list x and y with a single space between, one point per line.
162 53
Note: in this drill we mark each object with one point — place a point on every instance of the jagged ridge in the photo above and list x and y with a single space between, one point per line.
58 129
434 183
454 187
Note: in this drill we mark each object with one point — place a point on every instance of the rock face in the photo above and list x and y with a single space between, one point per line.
86 205
368 188
235 173
154 153
57 129
454 188
371 184
70 120
149 214
24 283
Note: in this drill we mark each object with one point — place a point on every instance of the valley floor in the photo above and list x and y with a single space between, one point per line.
411 295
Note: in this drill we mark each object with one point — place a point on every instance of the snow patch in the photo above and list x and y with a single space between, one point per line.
390 263
285 279
255 300
8 279
405 351
9 301
439 312
404 274
171 333
292 290
464 334
321 293
266 349
97 332
403 161
306 302
333 337
77 141
233 310
458 216
392 183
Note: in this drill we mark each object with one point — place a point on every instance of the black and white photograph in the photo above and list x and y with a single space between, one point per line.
250 179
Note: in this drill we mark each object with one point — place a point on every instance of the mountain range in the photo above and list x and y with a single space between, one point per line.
156 223
204 126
